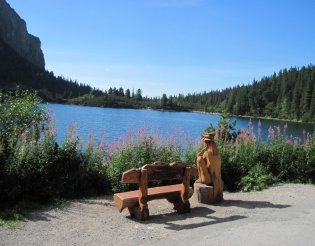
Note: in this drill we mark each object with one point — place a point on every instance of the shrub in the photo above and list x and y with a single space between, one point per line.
281 158
257 178
310 157
19 111
230 170
140 149
35 168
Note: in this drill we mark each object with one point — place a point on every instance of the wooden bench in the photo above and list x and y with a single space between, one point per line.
137 201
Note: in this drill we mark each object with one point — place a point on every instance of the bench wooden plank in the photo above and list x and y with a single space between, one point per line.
131 176
130 198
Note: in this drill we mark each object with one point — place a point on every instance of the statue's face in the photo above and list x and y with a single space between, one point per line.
207 144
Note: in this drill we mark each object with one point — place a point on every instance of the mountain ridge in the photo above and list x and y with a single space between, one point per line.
13 31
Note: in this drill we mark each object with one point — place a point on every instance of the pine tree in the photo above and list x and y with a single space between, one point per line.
312 107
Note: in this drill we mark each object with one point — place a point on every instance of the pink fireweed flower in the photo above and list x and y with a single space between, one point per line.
72 133
285 127
304 135
227 130
296 141
91 140
289 141
278 131
259 128
308 140
271 133
259 123
100 146
52 130
250 124
51 123
25 135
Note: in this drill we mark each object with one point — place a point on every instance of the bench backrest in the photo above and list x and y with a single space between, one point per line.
157 171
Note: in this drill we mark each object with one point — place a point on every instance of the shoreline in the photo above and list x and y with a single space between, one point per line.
190 111
256 117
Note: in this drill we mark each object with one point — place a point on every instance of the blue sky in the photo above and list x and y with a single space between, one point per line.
171 46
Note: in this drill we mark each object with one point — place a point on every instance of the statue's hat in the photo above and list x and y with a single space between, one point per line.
208 136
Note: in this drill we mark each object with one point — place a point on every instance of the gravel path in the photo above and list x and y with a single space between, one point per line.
280 215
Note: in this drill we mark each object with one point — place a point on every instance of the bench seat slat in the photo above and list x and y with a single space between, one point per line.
130 198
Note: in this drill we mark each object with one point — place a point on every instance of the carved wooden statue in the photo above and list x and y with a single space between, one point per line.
209 171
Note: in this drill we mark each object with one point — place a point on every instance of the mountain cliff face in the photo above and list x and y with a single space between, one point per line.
13 31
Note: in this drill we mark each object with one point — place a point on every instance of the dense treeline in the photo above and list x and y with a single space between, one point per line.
16 70
120 98
290 94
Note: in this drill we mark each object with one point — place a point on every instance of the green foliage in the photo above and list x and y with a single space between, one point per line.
246 164
144 151
225 130
251 165
190 154
11 219
230 169
19 111
257 179
34 167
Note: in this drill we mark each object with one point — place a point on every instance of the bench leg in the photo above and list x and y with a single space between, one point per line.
139 213
131 211
180 206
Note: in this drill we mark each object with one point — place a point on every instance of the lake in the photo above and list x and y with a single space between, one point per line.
114 122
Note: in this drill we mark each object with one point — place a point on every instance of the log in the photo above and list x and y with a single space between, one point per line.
206 194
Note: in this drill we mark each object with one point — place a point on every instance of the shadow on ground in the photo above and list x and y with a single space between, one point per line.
250 204
174 221
39 216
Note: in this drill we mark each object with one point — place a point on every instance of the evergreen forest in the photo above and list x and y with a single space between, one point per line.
290 94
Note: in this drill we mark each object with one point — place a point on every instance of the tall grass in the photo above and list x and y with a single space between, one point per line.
145 146
33 167
248 163
38 169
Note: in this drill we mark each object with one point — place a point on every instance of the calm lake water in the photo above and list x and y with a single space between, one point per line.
117 122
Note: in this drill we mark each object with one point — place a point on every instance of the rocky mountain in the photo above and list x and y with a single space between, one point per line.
13 31
22 62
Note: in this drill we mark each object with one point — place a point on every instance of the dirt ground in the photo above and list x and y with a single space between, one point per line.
280 215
